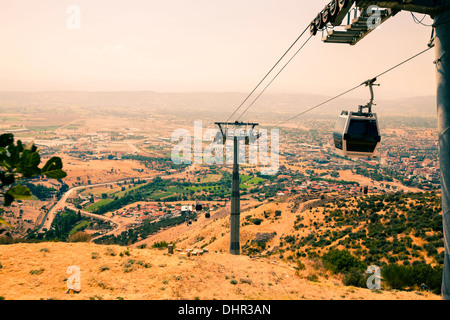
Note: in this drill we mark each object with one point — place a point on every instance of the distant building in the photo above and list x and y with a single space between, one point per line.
186 209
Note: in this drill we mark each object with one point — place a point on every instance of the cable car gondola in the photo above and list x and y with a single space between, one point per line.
198 207
357 134
220 138
207 214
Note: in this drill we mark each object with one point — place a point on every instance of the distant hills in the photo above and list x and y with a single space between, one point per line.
214 103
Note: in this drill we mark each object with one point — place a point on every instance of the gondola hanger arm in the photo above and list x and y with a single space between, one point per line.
369 83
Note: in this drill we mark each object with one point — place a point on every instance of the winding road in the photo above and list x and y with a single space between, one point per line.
62 203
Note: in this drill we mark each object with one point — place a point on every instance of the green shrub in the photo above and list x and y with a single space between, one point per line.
422 273
38 271
110 252
355 278
289 239
397 276
160 244
401 277
313 278
143 264
125 253
261 245
341 261
256 221
248 281
80 236
128 266
300 265
104 268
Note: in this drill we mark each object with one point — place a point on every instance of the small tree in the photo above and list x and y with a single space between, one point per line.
80 236
19 162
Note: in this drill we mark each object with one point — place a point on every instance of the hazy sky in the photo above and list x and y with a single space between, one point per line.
199 45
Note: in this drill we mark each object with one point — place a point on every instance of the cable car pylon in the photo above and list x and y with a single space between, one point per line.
240 132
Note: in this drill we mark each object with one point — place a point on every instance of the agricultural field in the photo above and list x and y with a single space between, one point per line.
217 187
99 203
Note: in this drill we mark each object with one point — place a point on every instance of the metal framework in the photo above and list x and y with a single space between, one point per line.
357 28
369 83
237 131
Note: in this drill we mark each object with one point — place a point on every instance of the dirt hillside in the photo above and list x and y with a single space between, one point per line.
39 271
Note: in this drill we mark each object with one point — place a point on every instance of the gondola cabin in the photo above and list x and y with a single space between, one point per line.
207 214
356 134
198 207
220 138
251 137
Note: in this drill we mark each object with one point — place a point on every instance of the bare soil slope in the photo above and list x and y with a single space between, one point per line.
39 271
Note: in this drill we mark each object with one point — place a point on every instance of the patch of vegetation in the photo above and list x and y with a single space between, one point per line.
110 252
258 244
130 265
37 271
98 204
41 192
416 276
63 226
255 221
104 268
356 278
141 232
341 261
160 244
125 253
378 229
384 230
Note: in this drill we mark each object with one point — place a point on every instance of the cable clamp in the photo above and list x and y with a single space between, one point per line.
439 60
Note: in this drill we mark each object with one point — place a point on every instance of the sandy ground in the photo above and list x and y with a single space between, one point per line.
97 171
39 271
348 175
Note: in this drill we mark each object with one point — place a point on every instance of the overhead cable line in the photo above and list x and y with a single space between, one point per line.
279 60
275 77
417 21
405 61
356 87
